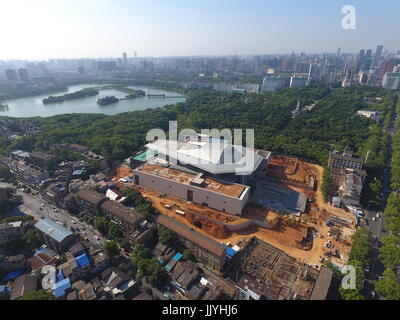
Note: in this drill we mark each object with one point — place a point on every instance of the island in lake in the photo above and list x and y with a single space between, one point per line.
107 100
3 107
135 94
88 92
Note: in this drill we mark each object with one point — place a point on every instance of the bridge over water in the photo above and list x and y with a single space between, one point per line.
162 96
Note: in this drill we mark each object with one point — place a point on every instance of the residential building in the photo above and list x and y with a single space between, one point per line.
11 75
13 262
298 81
205 249
322 285
42 257
76 267
90 201
351 188
127 219
11 229
23 75
41 159
28 173
346 174
273 83
23 285
116 282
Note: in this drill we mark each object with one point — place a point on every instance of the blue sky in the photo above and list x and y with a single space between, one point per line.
41 29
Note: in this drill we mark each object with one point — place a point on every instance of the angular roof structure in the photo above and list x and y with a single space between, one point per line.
213 155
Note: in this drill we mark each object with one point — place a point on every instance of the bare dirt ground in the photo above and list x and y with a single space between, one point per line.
286 236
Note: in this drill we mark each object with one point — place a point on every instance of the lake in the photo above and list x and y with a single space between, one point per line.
33 106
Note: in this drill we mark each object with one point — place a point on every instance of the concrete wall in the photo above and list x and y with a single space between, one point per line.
214 200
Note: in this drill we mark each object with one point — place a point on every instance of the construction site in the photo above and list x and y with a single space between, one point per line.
320 232
265 272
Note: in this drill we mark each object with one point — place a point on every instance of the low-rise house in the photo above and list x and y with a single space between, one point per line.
62 286
5 292
13 262
72 296
351 188
54 235
69 203
76 267
28 173
55 192
99 262
76 147
23 285
116 282
11 229
42 257
143 296
322 285
42 160
205 249
185 274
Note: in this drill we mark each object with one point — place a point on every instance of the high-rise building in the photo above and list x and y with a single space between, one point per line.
296 81
106 65
81 70
125 60
313 72
23 75
135 55
11 75
271 84
378 54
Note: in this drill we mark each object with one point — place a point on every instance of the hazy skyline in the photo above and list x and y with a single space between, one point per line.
47 29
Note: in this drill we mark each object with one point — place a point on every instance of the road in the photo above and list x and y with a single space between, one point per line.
377 227
33 203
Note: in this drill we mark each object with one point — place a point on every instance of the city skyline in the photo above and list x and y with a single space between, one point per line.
158 29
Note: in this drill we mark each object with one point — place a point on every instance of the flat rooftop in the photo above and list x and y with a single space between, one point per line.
211 184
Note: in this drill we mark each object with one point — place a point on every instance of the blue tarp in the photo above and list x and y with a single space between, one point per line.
230 252
61 287
60 276
177 257
12 275
82 260
5 290
168 267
